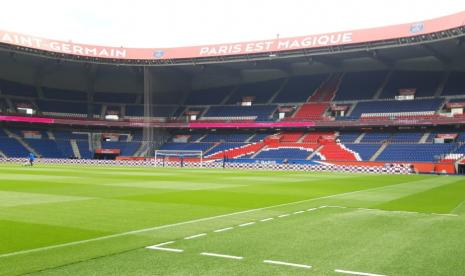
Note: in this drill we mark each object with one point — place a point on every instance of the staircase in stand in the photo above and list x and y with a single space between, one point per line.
75 148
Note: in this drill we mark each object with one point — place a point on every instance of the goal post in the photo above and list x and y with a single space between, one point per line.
178 157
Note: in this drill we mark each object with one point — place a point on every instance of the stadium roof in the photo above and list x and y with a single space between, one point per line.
427 31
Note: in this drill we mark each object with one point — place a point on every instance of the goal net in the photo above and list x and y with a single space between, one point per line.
178 158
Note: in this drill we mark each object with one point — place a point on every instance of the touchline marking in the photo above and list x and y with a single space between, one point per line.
311 209
287 264
357 273
223 229
298 212
165 249
195 236
246 224
139 231
221 256
282 216
267 219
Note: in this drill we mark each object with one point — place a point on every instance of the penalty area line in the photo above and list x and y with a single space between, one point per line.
165 249
356 273
287 264
221 256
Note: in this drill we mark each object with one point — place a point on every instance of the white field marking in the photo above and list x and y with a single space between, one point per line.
336 206
284 215
139 231
223 229
165 249
311 209
221 256
323 206
288 264
298 212
246 224
448 215
267 219
195 236
357 273
164 243
406 212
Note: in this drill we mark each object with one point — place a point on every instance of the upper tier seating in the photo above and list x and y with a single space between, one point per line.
62 94
52 107
17 89
109 97
380 108
426 83
261 91
360 85
208 96
257 112
415 152
299 89
455 84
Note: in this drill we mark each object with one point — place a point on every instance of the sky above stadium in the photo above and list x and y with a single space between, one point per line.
144 23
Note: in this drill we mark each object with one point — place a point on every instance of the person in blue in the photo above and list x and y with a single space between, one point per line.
31 158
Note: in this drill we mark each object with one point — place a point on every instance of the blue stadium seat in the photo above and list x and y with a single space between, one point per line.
299 89
360 85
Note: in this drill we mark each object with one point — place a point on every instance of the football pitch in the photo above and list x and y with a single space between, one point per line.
82 220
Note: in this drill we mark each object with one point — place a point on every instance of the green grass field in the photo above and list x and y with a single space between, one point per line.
63 220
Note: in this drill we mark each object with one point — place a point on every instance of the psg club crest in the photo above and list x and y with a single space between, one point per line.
416 28
159 53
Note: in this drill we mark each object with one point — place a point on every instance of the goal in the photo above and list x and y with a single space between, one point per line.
178 158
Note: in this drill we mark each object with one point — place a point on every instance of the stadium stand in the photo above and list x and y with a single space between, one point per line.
283 153
455 84
309 111
260 91
208 96
299 89
17 89
393 108
415 152
256 112
426 83
63 94
360 85
109 97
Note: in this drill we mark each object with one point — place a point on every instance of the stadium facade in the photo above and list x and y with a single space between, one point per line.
363 98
